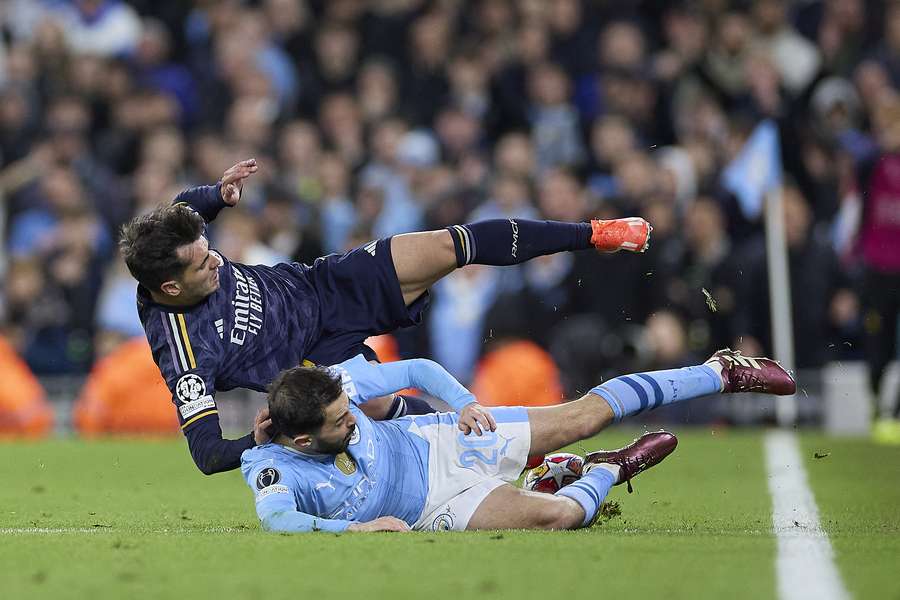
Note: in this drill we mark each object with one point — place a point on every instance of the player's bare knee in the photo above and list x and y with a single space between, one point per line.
378 408
443 243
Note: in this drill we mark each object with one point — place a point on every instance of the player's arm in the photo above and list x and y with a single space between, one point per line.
277 509
276 505
277 512
188 366
212 453
208 200
293 521
373 380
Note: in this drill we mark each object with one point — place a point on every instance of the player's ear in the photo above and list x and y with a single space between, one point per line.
304 440
170 288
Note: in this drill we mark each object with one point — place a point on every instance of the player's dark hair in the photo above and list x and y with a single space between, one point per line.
148 243
298 397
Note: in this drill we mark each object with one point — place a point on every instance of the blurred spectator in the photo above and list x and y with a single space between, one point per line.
819 290
338 218
708 265
237 236
429 45
154 69
554 122
103 27
796 58
377 91
460 304
879 242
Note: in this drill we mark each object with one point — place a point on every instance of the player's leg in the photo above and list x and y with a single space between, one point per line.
420 259
726 371
881 333
509 507
395 406
577 504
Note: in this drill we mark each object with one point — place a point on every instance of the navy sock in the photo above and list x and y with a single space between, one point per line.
513 241
409 405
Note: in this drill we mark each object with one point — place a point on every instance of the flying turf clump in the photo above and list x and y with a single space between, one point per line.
608 511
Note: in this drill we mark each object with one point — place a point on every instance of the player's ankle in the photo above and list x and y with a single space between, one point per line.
717 367
616 470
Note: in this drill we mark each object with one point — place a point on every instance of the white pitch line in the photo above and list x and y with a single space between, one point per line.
805 567
52 530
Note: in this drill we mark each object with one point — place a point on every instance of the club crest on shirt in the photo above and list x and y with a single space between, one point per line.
345 464
354 437
268 476
189 388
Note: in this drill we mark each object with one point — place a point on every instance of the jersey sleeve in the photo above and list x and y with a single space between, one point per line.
276 506
363 380
188 365
205 199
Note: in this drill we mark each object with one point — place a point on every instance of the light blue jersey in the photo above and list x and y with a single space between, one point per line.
383 472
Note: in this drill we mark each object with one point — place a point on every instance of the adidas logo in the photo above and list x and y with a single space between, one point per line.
220 328
370 247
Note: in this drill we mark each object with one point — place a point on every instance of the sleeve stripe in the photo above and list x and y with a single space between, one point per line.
172 350
187 341
464 242
200 416
177 337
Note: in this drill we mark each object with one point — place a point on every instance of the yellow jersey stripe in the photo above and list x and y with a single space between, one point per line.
200 416
187 341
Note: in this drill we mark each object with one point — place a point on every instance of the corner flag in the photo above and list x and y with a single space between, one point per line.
756 170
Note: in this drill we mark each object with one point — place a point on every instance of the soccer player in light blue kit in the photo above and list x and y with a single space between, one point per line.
331 468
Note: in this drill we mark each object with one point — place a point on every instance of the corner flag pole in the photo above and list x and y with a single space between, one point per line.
780 299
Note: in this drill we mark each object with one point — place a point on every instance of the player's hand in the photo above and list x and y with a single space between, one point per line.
380 524
477 418
233 180
262 427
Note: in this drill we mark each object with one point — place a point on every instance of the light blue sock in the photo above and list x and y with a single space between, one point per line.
632 394
589 492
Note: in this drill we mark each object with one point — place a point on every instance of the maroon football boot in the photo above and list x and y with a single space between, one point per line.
745 374
638 456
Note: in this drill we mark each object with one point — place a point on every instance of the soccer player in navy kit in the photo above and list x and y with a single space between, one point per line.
215 325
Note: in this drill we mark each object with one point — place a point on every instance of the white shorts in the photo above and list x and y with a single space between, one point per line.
464 469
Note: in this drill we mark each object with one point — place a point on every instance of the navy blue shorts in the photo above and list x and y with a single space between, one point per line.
359 296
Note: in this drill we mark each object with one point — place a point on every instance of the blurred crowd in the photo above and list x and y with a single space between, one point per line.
375 117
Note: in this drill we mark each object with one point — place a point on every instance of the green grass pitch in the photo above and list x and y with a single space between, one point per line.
135 519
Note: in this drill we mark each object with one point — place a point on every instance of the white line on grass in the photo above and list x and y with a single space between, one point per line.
805 566
53 530
109 529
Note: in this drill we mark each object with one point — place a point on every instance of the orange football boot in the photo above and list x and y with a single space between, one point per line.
631 233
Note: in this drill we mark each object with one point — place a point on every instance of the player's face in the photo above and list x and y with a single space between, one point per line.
336 431
201 275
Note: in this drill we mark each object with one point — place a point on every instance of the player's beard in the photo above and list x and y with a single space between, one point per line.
334 448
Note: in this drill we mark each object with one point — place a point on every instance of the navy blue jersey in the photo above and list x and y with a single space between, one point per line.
259 322
262 320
